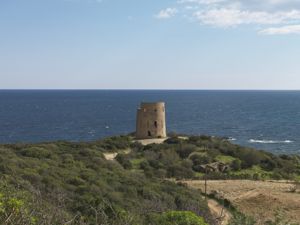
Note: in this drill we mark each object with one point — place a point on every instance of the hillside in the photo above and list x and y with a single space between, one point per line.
73 183
262 200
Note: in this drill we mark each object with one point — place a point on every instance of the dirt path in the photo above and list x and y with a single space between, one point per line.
262 200
220 214
111 156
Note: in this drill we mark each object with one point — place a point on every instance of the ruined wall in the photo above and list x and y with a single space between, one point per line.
151 121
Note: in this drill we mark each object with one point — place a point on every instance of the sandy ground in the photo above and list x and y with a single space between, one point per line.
111 156
259 199
157 140
152 141
221 215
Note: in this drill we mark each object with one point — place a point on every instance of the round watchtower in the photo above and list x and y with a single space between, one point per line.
151 121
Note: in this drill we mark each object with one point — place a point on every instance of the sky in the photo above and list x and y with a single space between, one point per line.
150 44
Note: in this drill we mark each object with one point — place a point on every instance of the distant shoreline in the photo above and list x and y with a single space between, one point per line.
129 89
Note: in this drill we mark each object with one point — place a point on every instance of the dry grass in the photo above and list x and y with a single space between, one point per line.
259 199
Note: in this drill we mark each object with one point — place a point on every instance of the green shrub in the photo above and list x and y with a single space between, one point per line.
180 218
72 180
268 164
236 165
13 209
173 140
184 150
36 152
200 158
168 156
240 219
124 161
180 171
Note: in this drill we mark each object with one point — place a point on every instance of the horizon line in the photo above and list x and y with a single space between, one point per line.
135 89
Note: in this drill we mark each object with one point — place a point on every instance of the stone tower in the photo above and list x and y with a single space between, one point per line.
151 121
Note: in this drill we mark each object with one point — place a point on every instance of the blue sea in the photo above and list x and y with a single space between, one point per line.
268 120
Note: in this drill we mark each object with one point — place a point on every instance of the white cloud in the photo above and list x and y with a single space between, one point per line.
225 17
205 2
245 3
280 2
166 13
268 16
291 29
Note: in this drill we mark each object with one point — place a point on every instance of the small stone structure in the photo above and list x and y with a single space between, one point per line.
214 167
151 121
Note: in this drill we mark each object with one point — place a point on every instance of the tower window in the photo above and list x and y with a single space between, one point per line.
149 134
155 124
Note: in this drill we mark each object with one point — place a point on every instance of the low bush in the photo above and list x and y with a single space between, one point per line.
180 218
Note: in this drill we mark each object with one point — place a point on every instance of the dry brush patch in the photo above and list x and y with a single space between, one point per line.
259 199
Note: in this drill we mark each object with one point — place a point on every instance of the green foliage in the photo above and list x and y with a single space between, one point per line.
200 158
115 143
184 150
13 209
169 160
173 140
65 182
240 219
124 161
19 207
180 218
225 159
59 182
236 165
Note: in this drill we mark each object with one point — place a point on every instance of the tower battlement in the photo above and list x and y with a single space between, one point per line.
151 120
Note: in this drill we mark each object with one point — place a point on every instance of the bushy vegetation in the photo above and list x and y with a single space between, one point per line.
72 183
179 218
13 209
186 159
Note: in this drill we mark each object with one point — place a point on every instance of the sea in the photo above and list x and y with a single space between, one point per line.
267 120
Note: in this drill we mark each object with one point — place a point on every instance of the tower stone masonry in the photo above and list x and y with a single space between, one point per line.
151 121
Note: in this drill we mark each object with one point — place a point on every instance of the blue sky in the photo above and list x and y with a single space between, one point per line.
139 44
